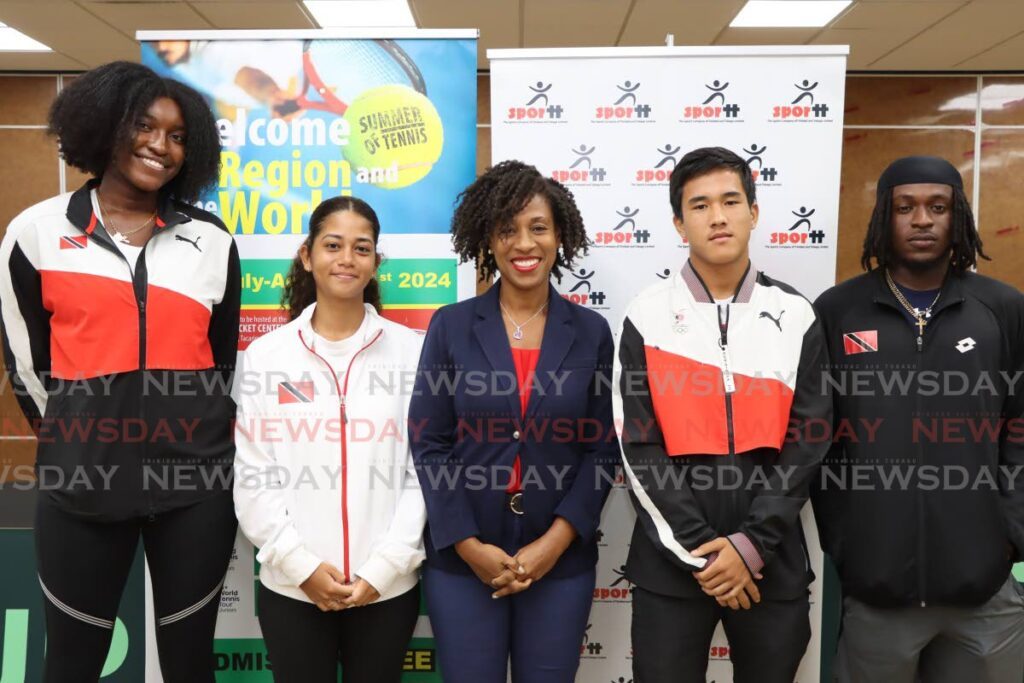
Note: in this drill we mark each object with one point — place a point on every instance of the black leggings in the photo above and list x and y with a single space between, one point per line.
83 566
305 645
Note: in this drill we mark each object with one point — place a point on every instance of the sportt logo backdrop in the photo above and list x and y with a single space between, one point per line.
643 110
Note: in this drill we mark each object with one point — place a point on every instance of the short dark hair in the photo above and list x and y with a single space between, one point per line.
96 114
299 287
701 162
496 197
965 242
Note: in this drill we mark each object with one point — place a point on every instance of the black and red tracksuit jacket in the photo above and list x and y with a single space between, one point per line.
718 408
125 379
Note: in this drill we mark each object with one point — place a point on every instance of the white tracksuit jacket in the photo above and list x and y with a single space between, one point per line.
323 470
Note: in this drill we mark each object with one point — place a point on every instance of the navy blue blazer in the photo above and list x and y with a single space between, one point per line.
466 426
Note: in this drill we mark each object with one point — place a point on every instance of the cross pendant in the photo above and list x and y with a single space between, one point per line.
921 322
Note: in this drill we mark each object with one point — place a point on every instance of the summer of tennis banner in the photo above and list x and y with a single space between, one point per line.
307 115
611 124
304 116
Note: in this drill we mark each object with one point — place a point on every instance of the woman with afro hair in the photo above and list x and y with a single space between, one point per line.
120 328
511 429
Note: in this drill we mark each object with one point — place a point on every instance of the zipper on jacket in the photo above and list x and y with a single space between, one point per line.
921 545
139 289
729 384
342 393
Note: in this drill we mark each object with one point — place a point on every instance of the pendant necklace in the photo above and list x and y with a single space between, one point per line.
517 333
120 236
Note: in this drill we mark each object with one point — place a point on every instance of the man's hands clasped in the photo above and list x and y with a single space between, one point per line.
727 578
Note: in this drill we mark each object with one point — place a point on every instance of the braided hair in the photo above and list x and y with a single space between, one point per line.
965 241
494 199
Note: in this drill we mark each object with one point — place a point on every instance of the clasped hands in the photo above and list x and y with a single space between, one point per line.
329 590
727 579
508 574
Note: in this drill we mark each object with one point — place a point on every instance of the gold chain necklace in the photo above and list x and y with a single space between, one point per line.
119 235
921 317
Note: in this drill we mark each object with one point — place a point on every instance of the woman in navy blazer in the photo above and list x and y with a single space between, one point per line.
512 434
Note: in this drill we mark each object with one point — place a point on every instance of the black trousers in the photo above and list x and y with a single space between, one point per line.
672 638
305 645
83 566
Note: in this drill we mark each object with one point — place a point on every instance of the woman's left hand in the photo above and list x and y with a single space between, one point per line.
362 594
538 558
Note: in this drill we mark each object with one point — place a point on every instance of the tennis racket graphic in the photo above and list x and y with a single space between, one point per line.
334 72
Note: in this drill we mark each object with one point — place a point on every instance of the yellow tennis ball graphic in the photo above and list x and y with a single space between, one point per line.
394 129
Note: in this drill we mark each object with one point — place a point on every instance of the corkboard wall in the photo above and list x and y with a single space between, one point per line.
886 117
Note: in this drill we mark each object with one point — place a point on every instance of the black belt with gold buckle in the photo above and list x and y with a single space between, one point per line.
515 502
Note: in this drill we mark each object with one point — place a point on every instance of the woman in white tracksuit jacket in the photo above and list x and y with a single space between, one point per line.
324 480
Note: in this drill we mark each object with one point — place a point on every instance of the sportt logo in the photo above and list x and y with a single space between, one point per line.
582 290
763 173
619 589
801 234
803 107
538 107
583 170
626 108
667 157
714 109
591 647
625 233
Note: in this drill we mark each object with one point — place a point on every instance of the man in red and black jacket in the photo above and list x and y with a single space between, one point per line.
920 503
720 371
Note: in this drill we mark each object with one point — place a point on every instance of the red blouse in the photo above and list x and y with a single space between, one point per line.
526 365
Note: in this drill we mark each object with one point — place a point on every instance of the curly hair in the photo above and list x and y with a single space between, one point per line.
964 238
299 287
493 200
94 116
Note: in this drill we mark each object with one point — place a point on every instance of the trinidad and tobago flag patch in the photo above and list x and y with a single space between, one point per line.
865 341
295 392
74 241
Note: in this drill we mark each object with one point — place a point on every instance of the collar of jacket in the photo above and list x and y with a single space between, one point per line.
951 293
374 325
702 295
559 335
81 215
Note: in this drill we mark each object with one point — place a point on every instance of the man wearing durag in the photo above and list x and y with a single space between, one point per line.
921 499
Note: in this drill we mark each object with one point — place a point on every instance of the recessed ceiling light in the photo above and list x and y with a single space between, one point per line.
361 13
788 13
13 40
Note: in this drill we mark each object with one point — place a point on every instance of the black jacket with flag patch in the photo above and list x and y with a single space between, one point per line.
921 499
715 402
124 377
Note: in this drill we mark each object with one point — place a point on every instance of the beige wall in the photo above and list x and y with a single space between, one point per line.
886 117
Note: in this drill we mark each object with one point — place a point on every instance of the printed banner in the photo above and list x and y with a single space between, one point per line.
304 118
611 124
392 122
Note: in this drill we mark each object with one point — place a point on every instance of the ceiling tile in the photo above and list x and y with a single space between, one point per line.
254 15
70 30
866 45
960 36
895 15
38 61
1007 56
766 36
695 23
573 23
140 16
